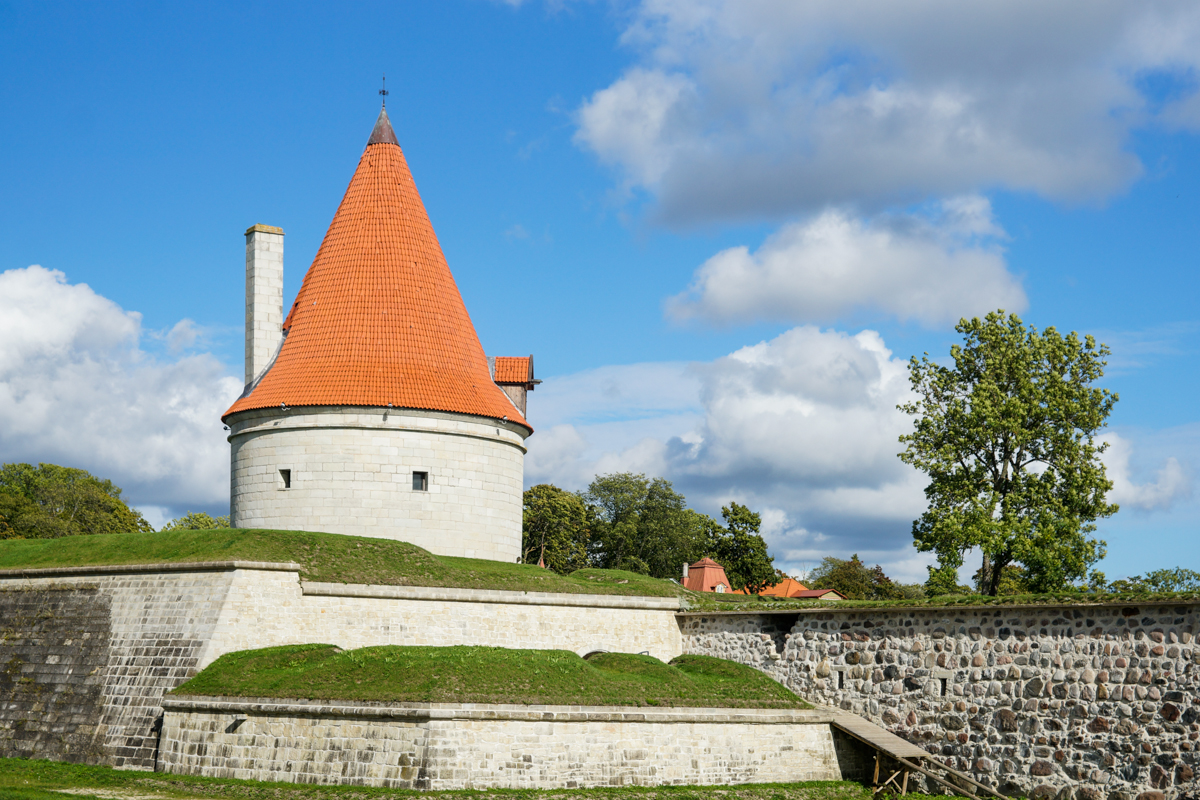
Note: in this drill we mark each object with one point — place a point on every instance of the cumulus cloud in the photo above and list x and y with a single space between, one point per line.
77 389
802 427
1170 483
745 108
930 269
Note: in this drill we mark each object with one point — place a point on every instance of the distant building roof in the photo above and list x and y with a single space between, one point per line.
820 594
788 587
379 320
706 575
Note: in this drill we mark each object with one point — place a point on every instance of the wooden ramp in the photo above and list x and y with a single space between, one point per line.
905 757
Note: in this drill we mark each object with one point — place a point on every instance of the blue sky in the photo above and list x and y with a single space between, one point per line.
719 226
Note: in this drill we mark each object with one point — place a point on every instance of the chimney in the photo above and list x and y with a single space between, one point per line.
685 571
264 296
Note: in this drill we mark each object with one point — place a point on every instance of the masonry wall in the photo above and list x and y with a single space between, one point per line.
87 654
351 472
448 746
1087 702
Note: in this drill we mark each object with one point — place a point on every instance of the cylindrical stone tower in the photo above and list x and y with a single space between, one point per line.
378 415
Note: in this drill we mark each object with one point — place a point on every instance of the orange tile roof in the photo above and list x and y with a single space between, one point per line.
788 587
704 575
514 369
379 319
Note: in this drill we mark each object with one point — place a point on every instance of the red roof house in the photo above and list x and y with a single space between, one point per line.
706 575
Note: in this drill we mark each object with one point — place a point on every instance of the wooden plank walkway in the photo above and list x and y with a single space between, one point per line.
877 737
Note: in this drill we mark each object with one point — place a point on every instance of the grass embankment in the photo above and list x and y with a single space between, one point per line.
22 779
487 675
752 604
324 557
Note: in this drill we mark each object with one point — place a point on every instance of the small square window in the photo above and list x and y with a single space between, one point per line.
286 474
420 481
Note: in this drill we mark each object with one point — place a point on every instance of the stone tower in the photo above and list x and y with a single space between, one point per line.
374 411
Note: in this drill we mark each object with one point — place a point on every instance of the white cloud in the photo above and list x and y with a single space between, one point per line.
802 427
1170 485
913 267
745 108
76 389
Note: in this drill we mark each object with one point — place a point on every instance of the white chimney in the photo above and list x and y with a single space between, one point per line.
685 570
264 296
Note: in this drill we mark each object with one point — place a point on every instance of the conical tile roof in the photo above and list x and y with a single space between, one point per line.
378 319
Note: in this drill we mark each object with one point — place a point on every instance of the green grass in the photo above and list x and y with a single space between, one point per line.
324 557
487 675
752 604
22 779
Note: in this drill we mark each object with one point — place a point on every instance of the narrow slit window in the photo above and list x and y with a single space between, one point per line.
286 474
841 680
943 687
420 481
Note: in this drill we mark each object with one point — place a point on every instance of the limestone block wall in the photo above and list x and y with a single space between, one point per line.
1087 702
444 746
54 644
87 653
97 648
351 471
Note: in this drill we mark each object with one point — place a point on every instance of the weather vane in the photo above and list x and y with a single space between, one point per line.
384 92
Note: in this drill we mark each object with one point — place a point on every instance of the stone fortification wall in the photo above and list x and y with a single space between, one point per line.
91 653
54 645
444 746
351 471
1087 702
88 653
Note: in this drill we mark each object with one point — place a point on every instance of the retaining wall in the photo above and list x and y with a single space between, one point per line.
448 746
1088 702
86 654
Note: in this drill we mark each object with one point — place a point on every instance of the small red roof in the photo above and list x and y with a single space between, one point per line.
705 576
788 587
514 369
379 320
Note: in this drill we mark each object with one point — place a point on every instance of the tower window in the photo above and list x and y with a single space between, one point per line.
420 481
286 474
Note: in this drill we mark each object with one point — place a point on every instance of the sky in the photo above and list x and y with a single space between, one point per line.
722 228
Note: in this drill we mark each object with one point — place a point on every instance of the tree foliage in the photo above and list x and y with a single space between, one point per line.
644 525
49 501
1007 437
196 521
556 529
1178 579
742 551
855 580
628 521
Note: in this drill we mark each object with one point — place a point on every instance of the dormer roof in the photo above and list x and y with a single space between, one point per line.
379 320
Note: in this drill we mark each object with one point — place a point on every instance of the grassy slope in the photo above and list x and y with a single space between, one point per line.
487 675
324 557
22 779
752 604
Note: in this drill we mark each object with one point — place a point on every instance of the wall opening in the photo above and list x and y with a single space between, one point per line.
286 475
420 481
943 687
841 679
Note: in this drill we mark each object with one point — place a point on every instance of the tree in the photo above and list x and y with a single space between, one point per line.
742 551
49 501
854 580
1178 579
1007 437
196 521
555 529
643 525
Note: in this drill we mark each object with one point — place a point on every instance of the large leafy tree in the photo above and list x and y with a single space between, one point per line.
643 525
47 501
854 580
742 551
1007 436
556 529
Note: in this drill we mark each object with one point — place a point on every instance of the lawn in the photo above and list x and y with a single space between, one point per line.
22 779
487 675
325 557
